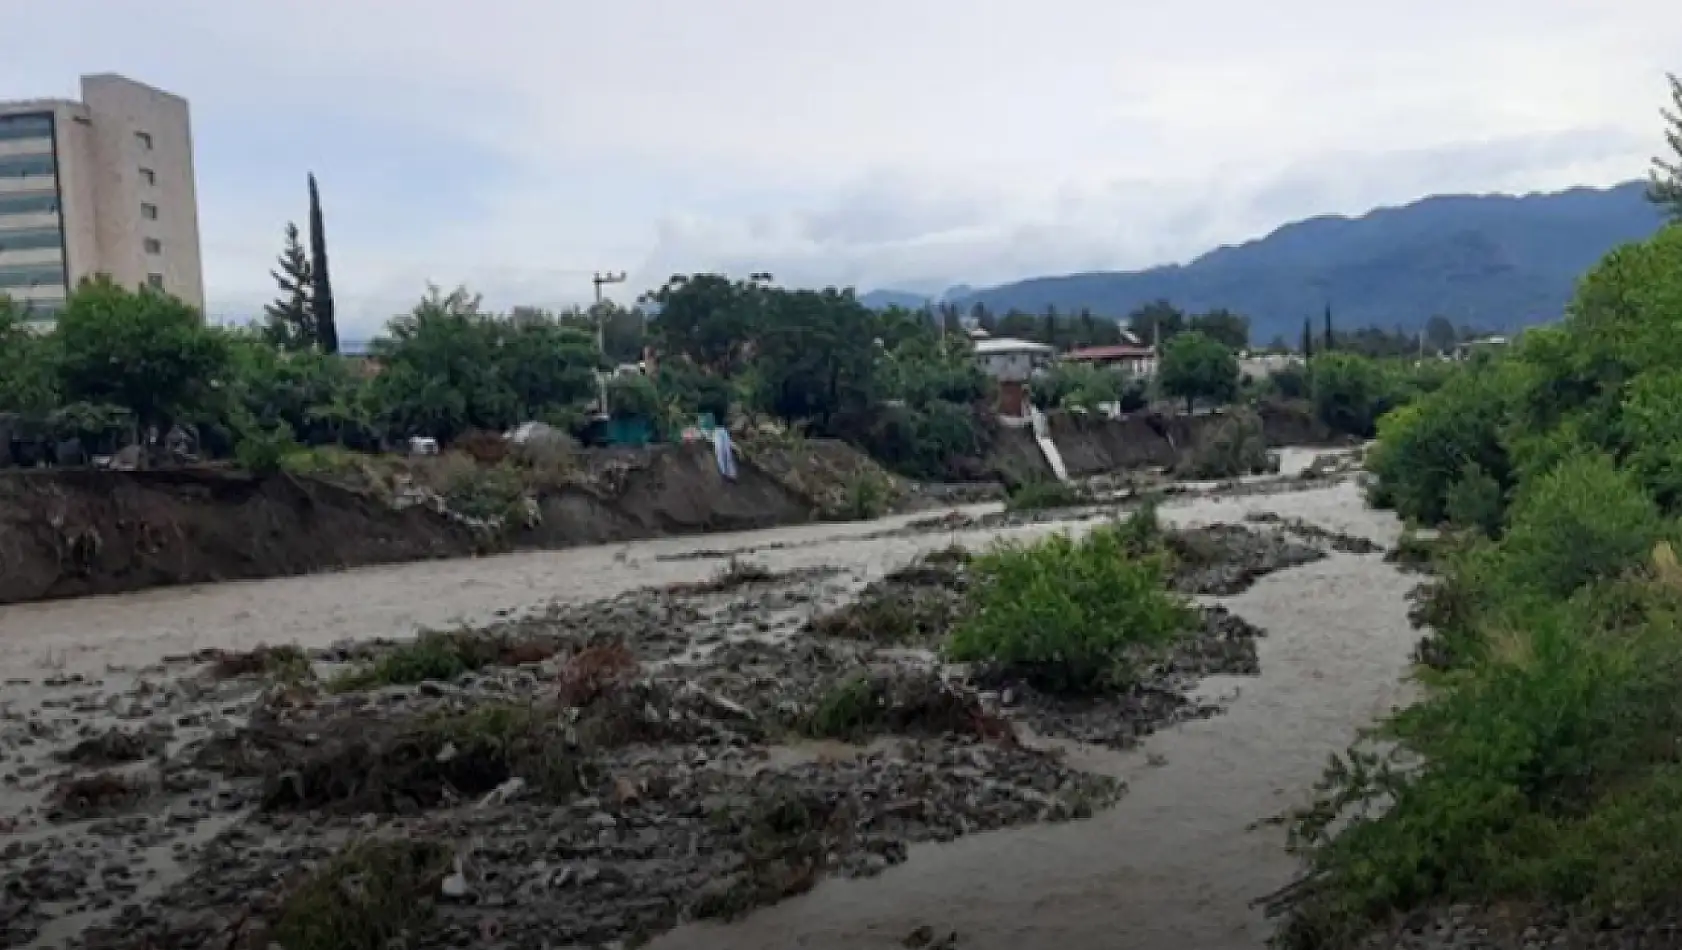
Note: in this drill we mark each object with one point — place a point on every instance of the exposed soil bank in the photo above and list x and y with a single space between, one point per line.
71 533
1091 446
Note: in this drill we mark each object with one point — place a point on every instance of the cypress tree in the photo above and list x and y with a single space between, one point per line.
321 291
1307 338
1328 345
1664 185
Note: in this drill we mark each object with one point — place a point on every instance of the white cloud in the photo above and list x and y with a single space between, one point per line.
871 141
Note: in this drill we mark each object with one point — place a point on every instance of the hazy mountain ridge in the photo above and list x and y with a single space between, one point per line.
1496 261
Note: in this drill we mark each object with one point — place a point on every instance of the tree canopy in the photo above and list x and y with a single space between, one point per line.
1196 366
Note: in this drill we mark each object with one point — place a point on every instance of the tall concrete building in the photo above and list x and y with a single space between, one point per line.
100 186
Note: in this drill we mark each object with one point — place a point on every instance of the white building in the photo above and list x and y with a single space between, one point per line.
100 186
1011 361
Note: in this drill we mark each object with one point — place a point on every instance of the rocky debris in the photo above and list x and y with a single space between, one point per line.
1222 560
1336 540
686 813
116 746
913 606
595 771
1329 465
923 938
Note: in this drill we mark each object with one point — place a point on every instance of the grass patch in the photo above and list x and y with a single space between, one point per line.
1072 616
1046 494
287 663
865 705
445 757
439 656
371 895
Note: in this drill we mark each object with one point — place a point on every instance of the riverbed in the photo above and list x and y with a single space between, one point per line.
1176 863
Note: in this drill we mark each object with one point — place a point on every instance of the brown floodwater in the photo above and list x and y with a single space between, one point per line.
1175 864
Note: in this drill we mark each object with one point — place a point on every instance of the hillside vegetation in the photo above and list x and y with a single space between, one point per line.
1540 770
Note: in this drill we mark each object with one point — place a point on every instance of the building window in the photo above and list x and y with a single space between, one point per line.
32 275
31 239
148 176
26 127
154 246
155 281
38 203
145 140
21 166
149 211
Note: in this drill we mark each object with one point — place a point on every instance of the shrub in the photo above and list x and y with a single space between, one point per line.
264 452
369 895
1474 501
1069 615
1585 519
865 496
1232 447
1347 390
1424 448
1045 493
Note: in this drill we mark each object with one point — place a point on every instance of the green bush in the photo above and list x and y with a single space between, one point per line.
1540 768
1349 392
1425 448
1045 493
1234 446
1475 501
1586 519
1532 768
1069 615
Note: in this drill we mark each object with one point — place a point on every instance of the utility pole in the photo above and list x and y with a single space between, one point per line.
598 280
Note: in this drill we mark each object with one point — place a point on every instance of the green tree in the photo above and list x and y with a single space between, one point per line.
28 370
815 355
449 367
1329 342
1440 335
1195 366
144 351
1156 323
1349 392
321 284
1307 339
1665 183
1231 329
710 318
289 322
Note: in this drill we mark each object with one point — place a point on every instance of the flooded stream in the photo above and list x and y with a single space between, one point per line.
1175 864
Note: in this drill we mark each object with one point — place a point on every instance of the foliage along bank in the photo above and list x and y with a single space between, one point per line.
1540 769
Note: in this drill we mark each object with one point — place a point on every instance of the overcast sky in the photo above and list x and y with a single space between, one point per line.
517 145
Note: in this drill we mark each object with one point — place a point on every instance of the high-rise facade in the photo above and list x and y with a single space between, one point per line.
100 186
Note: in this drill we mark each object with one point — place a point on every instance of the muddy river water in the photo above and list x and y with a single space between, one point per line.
1175 864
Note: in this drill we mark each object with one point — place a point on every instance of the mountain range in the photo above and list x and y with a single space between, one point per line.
1496 262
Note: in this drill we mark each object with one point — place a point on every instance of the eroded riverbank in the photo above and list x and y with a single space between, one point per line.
1173 861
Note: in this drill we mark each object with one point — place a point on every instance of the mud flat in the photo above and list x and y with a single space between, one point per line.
655 759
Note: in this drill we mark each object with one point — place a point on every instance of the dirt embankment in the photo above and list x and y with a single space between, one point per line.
70 533
1091 446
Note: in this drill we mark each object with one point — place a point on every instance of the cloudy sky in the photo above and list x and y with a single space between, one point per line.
518 145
